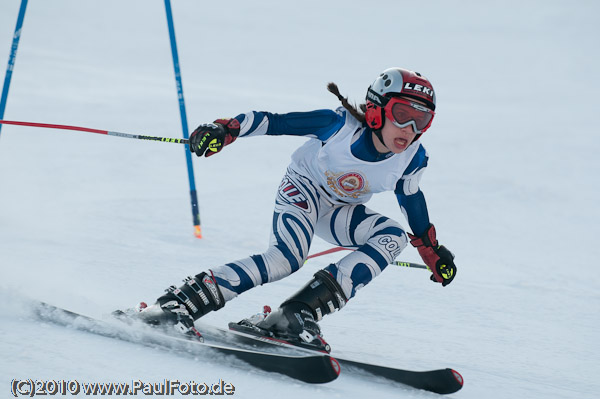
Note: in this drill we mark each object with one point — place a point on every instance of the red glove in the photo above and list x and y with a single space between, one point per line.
210 138
437 257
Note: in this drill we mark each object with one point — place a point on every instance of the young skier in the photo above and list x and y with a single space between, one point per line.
351 155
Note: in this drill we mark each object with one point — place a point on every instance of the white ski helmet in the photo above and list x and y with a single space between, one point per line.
396 82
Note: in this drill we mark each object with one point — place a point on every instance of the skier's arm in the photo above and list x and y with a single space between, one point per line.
210 138
320 124
414 209
409 195
412 202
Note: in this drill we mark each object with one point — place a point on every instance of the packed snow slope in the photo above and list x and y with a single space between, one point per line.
95 223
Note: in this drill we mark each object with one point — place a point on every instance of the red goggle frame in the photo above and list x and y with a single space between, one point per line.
403 112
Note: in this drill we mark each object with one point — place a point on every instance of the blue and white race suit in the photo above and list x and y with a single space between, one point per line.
323 192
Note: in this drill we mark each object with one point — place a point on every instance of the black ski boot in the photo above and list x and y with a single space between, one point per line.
296 319
180 307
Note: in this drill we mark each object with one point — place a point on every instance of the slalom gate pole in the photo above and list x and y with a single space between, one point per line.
11 59
412 265
88 130
184 124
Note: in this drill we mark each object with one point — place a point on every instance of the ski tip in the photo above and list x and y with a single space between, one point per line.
337 368
458 377
198 231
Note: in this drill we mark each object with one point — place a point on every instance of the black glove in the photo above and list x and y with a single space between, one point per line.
210 138
439 259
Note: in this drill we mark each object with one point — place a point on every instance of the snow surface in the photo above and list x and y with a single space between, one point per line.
95 223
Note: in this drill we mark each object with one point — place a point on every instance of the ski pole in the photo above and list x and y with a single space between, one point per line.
329 251
412 265
88 130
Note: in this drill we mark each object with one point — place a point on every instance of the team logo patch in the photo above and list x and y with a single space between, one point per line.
289 193
351 184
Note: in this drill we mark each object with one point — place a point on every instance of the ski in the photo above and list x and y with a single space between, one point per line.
265 353
306 367
442 381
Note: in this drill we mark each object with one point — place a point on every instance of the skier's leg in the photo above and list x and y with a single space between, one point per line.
179 307
378 241
296 318
294 218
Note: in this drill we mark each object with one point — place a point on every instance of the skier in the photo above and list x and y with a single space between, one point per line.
352 154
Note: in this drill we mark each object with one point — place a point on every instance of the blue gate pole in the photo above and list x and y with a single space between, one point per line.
11 59
184 124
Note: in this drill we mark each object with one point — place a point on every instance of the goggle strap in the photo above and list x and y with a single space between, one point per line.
377 98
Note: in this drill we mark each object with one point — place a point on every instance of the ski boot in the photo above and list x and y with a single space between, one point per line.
295 322
180 307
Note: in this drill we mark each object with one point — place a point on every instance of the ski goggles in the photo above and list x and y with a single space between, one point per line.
404 112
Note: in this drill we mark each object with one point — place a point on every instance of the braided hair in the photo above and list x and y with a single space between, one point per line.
357 112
